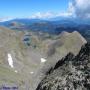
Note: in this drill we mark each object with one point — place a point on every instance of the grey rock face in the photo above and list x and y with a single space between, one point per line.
70 73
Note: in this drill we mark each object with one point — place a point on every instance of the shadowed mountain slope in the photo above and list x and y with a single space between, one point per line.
70 73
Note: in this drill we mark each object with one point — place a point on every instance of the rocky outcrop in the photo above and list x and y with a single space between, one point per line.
63 44
70 73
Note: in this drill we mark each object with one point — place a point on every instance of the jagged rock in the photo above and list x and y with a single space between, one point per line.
70 73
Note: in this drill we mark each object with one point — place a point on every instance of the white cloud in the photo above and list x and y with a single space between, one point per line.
76 8
2 19
47 15
65 14
71 8
42 15
70 11
82 8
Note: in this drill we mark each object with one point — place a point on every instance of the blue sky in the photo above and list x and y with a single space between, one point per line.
26 8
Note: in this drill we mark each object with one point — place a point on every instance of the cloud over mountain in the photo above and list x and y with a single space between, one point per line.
5 19
76 8
42 15
81 8
45 15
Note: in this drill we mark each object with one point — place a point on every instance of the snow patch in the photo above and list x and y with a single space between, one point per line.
16 71
10 60
43 60
31 72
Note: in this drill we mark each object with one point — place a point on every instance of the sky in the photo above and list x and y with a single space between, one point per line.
26 8
44 8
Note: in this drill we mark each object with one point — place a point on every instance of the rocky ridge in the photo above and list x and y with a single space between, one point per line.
70 73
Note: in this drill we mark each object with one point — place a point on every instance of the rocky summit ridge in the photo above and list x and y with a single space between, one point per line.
70 73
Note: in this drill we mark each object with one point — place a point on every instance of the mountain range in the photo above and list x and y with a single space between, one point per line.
51 26
33 50
26 56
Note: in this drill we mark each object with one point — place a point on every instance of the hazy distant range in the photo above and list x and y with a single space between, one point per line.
51 26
